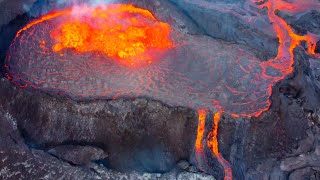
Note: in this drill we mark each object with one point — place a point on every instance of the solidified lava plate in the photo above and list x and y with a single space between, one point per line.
122 50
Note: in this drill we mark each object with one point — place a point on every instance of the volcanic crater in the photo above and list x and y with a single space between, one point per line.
228 86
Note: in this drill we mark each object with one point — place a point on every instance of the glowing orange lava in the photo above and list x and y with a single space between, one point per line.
200 156
42 19
120 31
288 39
123 32
202 114
212 142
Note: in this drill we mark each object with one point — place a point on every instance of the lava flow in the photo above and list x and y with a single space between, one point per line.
288 41
89 52
212 142
200 155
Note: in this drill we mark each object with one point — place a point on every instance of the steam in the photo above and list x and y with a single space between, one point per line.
100 2
42 7
86 2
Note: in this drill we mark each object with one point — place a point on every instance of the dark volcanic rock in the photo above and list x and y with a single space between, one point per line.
194 176
20 161
145 134
12 8
308 22
305 173
283 131
78 155
318 47
231 22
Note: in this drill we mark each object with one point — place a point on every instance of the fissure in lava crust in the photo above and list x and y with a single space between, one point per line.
122 50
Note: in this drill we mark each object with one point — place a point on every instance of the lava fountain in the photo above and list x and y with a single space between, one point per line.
121 50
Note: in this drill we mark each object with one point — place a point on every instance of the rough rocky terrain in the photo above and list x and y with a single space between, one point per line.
43 136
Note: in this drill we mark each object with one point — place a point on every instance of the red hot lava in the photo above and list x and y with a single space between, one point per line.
122 32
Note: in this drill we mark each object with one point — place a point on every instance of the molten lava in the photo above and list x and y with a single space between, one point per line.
201 128
288 39
200 156
122 32
213 143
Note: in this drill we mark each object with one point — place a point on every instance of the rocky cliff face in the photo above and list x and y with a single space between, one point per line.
73 138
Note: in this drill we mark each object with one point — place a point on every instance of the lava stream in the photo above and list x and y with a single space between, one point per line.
212 142
200 157
201 128
288 39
